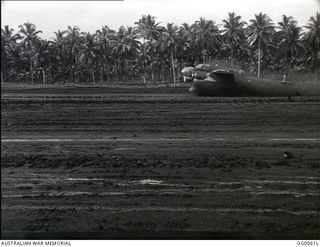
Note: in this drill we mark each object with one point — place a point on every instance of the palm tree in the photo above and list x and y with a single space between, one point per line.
88 52
104 40
168 43
72 46
313 40
132 39
260 32
59 42
206 36
59 55
7 36
233 33
289 40
42 57
30 38
148 29
7 40
17 62
125 45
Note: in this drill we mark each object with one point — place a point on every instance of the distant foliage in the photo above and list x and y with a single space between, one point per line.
152 52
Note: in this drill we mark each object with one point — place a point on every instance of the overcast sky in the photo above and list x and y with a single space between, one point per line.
49 16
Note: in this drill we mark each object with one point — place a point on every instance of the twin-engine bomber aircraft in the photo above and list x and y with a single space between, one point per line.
228 82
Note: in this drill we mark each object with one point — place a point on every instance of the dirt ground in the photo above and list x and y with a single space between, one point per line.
158 163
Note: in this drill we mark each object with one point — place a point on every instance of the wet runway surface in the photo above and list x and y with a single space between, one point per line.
158 162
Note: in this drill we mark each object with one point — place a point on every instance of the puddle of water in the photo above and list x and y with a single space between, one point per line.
265 182
280 182
148 181
84 179
119 149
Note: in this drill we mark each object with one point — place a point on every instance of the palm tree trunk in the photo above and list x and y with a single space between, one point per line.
232 62
288 65
51 75
144 76
75 68
74 74
1 78
173 72
143 65
316 65
259 58
43 76
93 78
107 74
162 72
101 74
31 70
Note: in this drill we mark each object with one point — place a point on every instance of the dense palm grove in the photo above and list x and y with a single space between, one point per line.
151 52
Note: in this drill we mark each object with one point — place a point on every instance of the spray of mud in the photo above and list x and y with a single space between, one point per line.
239 85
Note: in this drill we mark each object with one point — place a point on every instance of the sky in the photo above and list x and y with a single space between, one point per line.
50 16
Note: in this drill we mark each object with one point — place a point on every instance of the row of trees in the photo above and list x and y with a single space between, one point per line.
149 51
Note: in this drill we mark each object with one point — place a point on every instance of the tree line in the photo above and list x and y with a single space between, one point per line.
149 51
